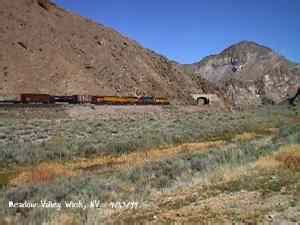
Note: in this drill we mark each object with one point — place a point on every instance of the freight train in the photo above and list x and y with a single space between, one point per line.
87 99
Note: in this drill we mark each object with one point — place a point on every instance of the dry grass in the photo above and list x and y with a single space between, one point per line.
230 174
268 162
247 136
288 156
42 174
273 130
47 172
239 197
140 158
64 219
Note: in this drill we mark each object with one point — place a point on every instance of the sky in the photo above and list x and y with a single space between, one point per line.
186 31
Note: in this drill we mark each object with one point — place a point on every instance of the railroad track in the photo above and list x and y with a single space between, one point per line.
20 105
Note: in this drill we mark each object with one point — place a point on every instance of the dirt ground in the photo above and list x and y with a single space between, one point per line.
117 112
96 112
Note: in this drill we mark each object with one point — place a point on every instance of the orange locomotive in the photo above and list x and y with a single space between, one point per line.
114 100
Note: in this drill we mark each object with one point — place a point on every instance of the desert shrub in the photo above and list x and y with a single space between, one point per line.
121 147
83 149
289 130
290 157
199 163
72 138
266 182
134 175
158 174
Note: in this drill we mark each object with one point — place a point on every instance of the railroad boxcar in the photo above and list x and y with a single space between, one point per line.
82 99
36 98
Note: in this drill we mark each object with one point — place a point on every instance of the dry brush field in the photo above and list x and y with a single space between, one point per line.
182 165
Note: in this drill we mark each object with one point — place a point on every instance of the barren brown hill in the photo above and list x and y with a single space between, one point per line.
45 49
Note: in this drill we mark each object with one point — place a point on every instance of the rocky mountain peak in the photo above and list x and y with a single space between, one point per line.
249 73
246 49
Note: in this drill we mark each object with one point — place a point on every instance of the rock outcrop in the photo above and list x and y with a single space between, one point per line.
250 74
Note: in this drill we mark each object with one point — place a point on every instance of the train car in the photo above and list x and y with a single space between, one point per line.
162 101
63 99
88 99
131 100
36 98
115 100
98 100
82 99
146 100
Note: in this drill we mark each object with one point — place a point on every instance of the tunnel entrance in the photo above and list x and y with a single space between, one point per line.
203 101
293 100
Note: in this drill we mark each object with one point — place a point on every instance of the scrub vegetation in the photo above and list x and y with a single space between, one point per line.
220 167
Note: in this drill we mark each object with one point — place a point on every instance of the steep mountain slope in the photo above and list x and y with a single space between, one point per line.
249 73
45 49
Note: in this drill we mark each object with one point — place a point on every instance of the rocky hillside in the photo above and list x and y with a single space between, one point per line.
250 74
45 49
